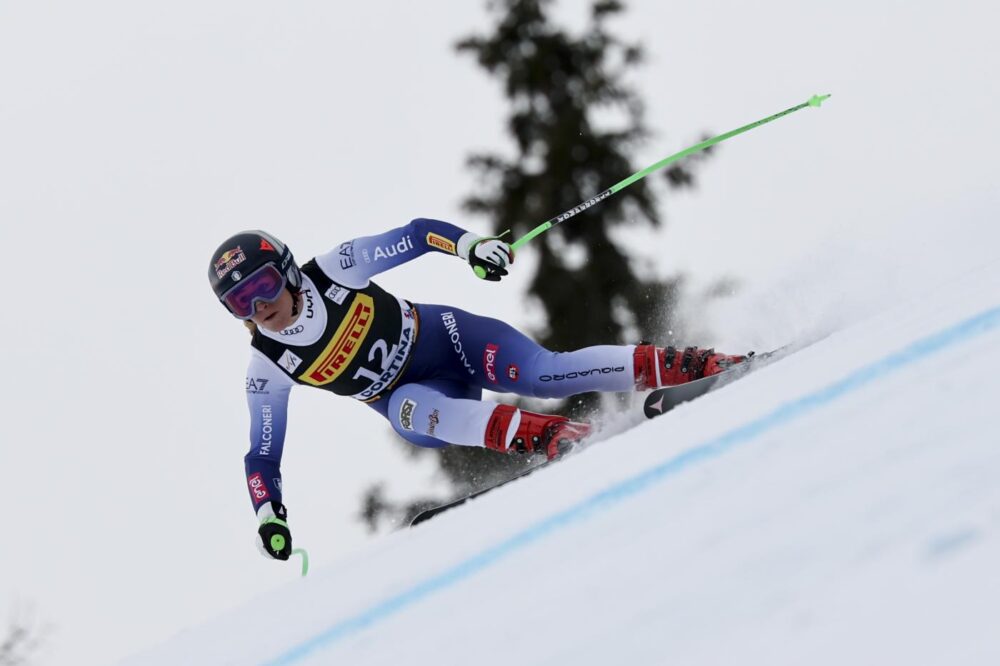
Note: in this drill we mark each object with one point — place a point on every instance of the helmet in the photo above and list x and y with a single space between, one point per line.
243 255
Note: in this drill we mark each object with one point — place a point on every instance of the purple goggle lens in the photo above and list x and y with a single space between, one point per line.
264 284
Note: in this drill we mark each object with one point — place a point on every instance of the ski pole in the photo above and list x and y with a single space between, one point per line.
305 559
815 100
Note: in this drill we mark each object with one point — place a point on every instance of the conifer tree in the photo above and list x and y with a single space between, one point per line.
559 87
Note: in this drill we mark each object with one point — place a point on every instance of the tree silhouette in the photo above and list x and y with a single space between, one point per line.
21 641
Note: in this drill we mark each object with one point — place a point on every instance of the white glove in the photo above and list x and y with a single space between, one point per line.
489 257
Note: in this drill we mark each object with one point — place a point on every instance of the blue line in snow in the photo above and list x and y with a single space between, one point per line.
713 448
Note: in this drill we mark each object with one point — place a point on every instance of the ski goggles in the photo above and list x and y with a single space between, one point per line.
264 284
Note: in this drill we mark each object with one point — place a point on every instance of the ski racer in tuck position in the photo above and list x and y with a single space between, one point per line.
423 367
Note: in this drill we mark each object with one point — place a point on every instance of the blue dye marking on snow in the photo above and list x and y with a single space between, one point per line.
949 544
713 448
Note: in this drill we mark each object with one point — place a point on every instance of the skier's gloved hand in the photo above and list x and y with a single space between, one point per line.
489 257
274 540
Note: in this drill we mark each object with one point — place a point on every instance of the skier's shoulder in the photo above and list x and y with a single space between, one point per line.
339 266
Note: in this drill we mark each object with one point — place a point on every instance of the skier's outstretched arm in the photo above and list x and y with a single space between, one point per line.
354 262
267 397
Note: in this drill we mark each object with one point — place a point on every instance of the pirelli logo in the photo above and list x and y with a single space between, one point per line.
441 243
344 344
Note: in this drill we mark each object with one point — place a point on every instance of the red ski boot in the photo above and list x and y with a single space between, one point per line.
656 366
542 433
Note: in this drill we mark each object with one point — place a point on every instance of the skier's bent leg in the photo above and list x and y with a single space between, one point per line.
621 368
428 417
498 357
424 414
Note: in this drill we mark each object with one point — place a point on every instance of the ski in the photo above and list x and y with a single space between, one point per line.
427 514
662 400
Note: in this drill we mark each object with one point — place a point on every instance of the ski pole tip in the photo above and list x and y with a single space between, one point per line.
816 100
305 559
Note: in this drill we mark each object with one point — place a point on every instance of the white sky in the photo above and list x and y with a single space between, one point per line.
135 136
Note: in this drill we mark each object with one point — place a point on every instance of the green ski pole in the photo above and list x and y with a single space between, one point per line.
815 100
305 559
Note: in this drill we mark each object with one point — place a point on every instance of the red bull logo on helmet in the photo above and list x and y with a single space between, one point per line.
229 260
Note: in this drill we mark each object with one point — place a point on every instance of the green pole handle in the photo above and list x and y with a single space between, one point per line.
814 101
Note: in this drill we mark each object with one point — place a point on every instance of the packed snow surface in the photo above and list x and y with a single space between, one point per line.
841 505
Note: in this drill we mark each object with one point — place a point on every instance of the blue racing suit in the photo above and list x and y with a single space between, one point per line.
421 366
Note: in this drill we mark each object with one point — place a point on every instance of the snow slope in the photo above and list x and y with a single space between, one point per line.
839 506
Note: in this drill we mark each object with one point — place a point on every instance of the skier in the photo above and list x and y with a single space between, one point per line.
423 367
